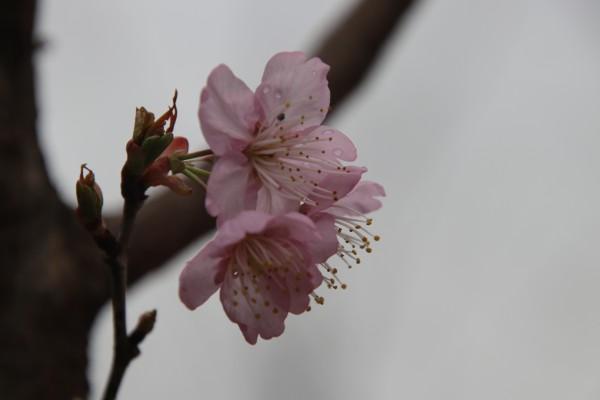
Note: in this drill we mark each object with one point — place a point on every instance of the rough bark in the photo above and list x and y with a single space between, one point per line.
53 279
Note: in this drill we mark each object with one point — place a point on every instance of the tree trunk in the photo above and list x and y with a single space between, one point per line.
53 279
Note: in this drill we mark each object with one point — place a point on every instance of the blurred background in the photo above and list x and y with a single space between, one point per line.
482 121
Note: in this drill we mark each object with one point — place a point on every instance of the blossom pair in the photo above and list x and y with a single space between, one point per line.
284 199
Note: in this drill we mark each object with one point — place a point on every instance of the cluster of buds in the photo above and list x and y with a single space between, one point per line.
285 201
155 157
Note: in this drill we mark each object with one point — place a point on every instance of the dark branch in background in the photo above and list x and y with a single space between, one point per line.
351 49
52 282
159 235
53 279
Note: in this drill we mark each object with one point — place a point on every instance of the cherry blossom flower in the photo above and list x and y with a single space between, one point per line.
272 150
265 267
346 221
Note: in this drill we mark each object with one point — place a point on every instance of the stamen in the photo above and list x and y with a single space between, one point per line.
318 299
286 162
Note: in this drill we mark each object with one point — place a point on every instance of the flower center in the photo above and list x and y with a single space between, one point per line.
294 163
269 270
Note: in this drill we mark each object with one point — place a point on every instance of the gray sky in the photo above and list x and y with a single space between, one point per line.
483 124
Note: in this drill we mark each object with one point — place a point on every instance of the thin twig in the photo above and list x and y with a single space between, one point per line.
125 346
121 358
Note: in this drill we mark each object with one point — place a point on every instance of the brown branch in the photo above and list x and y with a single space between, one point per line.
164 227
52 281
125 346
353 46
122 354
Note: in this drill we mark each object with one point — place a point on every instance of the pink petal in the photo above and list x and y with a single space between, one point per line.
257 312
361 199
200 278
340 184
233 230
299 290
179 144
295 89
335 144
327 245
273 202
294 226
305 276
228 112
231 187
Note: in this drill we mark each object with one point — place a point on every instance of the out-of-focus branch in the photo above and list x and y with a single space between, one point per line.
160 234
52 282
351 49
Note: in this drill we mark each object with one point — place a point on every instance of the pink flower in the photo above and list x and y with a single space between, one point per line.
272 150
264 265
345 221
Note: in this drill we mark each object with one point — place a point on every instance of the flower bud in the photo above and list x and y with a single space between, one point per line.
145 125
151 137
153 147
89 199
143 121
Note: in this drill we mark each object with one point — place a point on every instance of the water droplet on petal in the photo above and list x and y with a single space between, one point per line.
278 94
266 90
337 152
328 133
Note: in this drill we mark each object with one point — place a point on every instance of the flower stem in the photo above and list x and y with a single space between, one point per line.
194 177
197 171
125 346
196 154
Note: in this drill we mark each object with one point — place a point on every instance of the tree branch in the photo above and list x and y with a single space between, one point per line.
125 346
52 281
352 47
